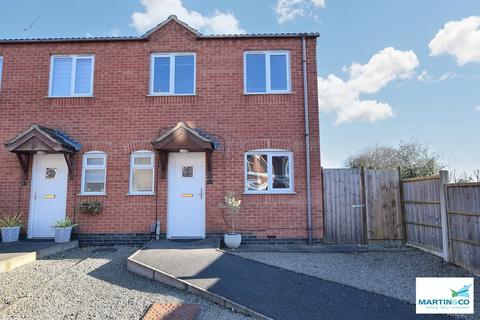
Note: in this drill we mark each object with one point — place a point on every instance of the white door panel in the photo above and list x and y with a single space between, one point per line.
186 195
49 194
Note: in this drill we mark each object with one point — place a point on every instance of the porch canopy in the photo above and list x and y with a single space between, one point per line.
183 138
42 139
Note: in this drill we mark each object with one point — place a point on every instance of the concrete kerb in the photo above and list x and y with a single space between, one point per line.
168 279
21 259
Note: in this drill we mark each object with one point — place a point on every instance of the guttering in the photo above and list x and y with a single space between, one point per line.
307 139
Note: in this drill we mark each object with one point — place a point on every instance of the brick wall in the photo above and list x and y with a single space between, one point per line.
121 118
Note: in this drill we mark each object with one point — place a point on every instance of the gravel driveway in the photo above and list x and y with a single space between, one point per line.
391 273
88 284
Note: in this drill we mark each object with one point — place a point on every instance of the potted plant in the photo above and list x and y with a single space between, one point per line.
90 207
232 205
63 229
10 227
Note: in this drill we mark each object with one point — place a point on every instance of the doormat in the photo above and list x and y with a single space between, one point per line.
171 311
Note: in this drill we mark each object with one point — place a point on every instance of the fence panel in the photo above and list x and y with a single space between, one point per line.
422 214
463 206
343 210
383 205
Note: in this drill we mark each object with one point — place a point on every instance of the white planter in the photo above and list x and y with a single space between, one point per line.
232 240
63 234
10 234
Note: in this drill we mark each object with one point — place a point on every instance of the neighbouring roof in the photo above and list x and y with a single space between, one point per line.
147 34
39 138
182 136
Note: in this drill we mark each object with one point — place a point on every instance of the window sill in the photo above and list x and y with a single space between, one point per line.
267 93
139 194
171 95
270 193
91 194
68 97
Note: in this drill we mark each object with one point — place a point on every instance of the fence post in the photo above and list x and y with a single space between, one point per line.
444 215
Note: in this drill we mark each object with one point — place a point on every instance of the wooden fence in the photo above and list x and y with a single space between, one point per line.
443 218
343 211
422 215
362 206
365 206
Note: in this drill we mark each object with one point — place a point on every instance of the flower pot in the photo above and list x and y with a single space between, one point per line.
232 240
10 234
63 234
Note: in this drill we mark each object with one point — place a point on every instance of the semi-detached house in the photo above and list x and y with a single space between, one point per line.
159 128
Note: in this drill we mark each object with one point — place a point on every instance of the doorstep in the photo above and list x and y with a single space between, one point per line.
19 253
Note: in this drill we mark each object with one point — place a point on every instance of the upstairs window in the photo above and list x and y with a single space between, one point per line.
1 71
142 164
267 72
268 171
94 173
71 76
172 74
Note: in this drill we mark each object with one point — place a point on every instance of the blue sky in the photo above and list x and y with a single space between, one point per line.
380 81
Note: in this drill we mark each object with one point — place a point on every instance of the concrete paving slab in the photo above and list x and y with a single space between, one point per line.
16 254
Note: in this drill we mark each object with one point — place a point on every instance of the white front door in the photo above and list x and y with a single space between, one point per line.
186 195
49 194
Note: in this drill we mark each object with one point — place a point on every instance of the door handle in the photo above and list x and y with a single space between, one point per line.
201 193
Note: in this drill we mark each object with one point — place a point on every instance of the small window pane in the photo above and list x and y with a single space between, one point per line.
184 74
142 180
83 76
94 175
281 172
187 171
255 73
142 161
94 187
94 161
94 180
61 76
257 176
161 74
278 72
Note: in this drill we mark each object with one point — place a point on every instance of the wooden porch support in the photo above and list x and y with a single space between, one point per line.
24 159
163 164
209 167
70 160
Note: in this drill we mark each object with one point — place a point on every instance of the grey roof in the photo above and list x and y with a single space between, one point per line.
147 34
62 137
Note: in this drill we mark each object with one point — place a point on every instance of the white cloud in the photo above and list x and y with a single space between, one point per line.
477 108
157 11
460 39
424 76
343 97
449 75
288 10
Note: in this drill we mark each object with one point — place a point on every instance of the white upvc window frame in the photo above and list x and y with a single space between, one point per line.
172 56
94 154
268 80
74 58
269 153
1 71
141 154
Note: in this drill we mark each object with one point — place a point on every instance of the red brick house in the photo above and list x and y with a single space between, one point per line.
159 128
